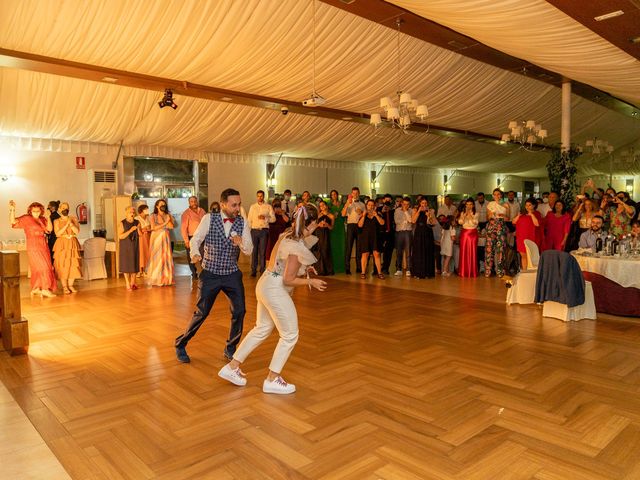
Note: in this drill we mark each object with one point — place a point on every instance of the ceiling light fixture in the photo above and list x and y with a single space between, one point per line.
609 15
167 100
400 116
596 147
526 133
315 99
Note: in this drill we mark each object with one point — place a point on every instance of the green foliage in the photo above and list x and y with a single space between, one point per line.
563 170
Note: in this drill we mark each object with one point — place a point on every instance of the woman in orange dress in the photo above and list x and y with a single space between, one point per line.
36 224
66 250
145 237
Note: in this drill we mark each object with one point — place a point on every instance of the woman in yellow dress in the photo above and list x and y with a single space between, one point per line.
66 250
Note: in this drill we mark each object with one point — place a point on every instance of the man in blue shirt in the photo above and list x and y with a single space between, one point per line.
588 238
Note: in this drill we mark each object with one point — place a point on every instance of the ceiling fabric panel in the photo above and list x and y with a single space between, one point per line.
537 31
264 47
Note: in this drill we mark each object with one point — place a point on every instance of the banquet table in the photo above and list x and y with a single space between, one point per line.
21 247
616 283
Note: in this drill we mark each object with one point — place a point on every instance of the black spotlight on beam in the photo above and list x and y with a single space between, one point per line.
167 100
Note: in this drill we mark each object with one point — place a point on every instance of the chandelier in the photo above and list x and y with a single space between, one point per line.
400 116
527 133
627 159
596 147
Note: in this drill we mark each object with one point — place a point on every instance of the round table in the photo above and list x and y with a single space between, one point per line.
616 283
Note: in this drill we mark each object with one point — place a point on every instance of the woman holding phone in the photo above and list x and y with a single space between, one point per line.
368 224
422 247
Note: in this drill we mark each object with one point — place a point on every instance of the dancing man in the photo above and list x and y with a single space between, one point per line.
224 234
290 259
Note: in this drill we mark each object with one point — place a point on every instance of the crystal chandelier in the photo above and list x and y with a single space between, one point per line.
527 133
401 115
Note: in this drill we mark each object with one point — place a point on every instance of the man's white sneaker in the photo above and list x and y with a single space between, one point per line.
398 273
278 386
408 274
234 376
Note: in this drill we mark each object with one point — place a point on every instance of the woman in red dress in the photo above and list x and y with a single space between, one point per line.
468 240
36 225
557 225
528 226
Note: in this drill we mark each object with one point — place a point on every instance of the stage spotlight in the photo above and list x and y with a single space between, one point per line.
167 100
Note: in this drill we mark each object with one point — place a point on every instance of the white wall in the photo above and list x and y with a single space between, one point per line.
42 176
245 176
46 171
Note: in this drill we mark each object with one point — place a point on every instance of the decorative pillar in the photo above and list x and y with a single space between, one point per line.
565 133
14 328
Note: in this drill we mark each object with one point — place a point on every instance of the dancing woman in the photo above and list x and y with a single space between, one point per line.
290 259
36 224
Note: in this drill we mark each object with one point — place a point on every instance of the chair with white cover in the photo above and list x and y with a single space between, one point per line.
567 314
523 285
93 266
560 287
533 254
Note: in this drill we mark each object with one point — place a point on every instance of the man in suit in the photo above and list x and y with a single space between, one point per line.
224 234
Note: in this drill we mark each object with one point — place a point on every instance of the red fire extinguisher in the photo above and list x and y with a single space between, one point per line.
81 211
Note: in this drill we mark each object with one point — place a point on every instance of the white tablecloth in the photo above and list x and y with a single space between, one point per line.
623 271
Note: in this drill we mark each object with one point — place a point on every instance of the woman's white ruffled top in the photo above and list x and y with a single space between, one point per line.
298 248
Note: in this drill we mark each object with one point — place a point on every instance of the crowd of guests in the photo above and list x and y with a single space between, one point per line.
468 239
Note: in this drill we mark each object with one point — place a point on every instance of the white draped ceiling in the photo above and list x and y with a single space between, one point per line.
264 47
538 32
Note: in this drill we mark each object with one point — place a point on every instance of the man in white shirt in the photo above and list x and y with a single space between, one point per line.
548 202
514 205
261 214
224 234
514 211
481 210
448 209
404 230
353 210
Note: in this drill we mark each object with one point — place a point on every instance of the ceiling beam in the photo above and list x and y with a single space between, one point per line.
55 66
384 13
619 30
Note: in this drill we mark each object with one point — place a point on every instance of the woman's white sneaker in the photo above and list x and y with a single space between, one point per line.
278 385
235 376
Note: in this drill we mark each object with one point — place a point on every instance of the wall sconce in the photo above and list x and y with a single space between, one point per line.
629 186
375 185
271 182
4 177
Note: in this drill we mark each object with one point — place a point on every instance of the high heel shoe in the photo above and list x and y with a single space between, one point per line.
35 291
47 293
73 290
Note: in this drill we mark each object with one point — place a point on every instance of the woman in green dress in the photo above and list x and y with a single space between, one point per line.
338 233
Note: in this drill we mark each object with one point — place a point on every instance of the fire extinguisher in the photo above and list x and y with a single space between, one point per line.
81 212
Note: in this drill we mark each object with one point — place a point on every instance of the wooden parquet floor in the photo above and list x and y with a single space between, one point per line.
393 383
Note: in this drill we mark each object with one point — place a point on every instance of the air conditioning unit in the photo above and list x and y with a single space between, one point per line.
102 184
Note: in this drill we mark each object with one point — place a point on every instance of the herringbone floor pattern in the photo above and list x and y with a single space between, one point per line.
392 384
